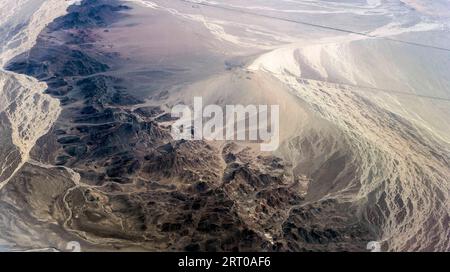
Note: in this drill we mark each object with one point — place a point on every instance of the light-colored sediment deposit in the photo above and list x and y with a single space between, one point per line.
28 110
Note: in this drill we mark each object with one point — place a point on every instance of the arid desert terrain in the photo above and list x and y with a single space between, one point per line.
86 153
